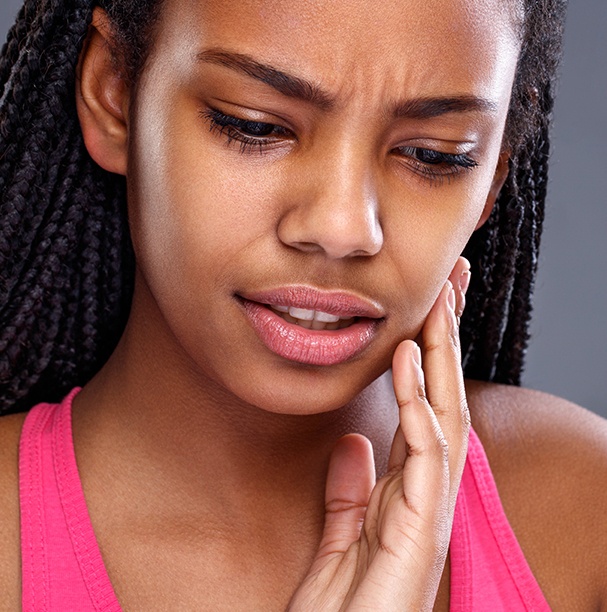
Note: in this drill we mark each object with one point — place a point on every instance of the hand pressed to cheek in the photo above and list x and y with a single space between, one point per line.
396 560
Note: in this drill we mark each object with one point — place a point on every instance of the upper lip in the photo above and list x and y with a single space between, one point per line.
336 302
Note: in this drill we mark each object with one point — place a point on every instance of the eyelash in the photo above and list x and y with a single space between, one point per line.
429 163
437 166
234 129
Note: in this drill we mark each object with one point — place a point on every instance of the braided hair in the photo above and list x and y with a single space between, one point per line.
66 260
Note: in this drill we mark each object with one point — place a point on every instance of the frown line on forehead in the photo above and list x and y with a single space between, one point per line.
296 87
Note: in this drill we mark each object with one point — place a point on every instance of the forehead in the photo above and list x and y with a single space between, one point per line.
433 46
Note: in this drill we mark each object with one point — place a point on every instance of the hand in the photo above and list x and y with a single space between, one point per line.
384 545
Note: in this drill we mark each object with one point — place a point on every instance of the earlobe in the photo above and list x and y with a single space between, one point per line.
102 98
499 178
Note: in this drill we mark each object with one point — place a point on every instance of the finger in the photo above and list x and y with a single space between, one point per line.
409 537
350 480
444 378
460 279
425 451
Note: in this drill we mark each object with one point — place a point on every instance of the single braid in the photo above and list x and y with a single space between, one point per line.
516 336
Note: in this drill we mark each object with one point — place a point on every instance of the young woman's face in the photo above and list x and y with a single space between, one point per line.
321 155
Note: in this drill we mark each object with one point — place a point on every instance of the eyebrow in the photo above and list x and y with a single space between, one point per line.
286 84
296 87
426 108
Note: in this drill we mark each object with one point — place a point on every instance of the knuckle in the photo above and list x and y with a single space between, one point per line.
440 410
453 338
437 446
431 346
450 341
336 506
419 395
440 446
458 411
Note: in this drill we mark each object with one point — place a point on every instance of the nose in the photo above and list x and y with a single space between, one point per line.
333 209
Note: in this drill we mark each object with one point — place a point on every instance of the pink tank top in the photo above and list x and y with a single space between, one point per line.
62 567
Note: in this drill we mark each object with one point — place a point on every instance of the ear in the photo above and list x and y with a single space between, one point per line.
102 98
499 178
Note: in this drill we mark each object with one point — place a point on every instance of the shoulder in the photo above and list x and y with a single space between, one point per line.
549 460
10 549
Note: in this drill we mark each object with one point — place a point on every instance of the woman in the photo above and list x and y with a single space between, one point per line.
301 181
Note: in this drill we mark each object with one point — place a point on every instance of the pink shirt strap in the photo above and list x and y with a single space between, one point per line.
62 568
488 568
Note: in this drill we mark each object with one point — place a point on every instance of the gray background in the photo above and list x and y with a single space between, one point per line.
568 352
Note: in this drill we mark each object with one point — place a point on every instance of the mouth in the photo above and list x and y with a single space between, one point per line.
311 327
312 319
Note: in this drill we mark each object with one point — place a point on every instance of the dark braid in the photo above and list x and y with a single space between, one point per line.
504 252
66 262
67 267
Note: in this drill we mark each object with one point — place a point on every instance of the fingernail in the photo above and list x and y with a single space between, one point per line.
417 355
464 281
451 296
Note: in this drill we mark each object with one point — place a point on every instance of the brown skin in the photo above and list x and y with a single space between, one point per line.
332 204
549 458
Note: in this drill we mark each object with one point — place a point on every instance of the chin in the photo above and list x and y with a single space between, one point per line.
305 390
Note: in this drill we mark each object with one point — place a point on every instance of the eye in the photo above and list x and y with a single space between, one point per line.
252 135
436 165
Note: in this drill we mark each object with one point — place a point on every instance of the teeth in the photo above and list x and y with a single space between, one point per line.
312 319
325 317
301 313
318 325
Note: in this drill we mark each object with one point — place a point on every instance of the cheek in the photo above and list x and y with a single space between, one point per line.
193 213
424 236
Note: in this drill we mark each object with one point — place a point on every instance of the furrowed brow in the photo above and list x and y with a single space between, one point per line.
286 84
427 108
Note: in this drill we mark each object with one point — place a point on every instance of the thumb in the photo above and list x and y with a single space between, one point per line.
350 480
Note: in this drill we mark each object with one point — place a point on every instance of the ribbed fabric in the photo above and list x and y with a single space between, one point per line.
488 569
62 568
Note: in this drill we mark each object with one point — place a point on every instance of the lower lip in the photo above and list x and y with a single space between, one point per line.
309 346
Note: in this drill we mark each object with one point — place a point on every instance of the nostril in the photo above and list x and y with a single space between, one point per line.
306 247
360 253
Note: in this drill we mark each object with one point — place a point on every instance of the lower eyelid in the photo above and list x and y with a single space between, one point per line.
246 144
434 175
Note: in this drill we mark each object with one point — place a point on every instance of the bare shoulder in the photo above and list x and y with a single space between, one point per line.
549 459
10 550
